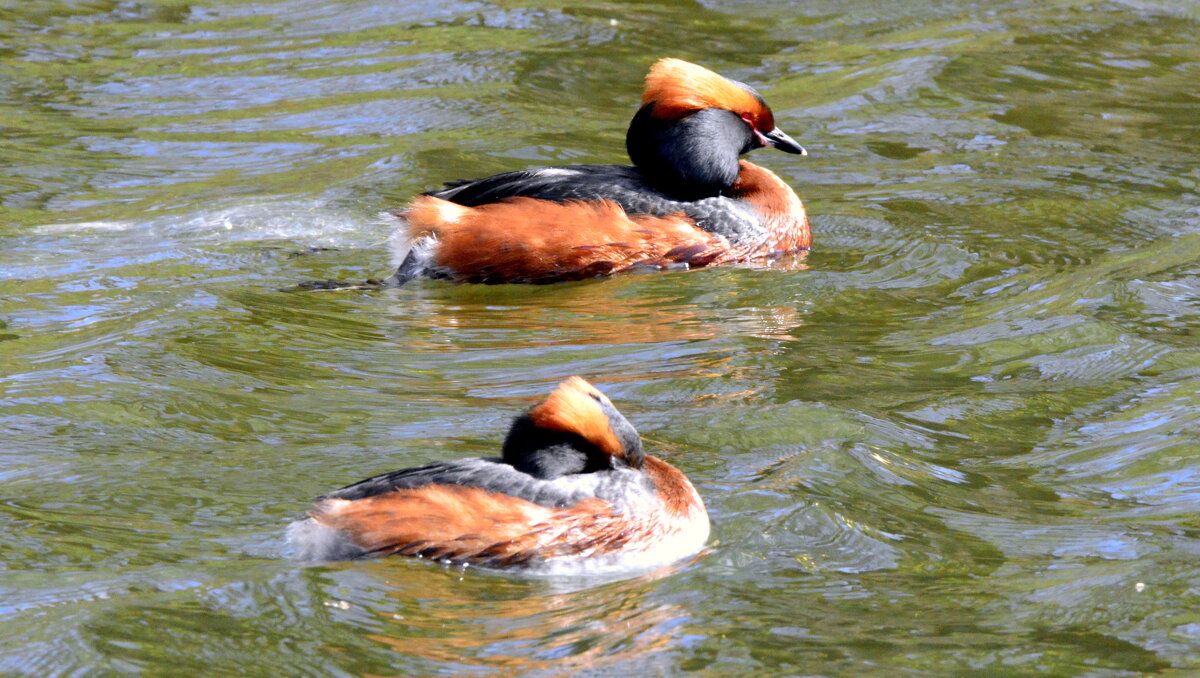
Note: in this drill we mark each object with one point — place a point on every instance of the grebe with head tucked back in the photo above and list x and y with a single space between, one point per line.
572 491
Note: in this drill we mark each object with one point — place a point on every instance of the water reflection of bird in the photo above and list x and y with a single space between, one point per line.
572 492
489 626
687 201
492 323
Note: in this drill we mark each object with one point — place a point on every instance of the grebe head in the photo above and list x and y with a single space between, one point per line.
575 429
693 125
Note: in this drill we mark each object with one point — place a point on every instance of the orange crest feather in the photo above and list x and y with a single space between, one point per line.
573 407
677 87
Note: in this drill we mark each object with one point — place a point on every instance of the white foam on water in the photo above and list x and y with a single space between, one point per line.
310 222
313 541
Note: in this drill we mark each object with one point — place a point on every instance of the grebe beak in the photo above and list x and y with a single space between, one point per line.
779 139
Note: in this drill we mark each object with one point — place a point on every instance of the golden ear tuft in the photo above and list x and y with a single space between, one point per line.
575 407
677 87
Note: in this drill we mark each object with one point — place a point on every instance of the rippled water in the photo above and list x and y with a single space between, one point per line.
959 437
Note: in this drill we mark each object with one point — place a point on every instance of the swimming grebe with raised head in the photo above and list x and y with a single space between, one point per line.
688 200
572 491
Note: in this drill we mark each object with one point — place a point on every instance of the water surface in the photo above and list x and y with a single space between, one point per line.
959 438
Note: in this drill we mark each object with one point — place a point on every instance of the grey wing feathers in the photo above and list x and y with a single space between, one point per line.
621 184
491 475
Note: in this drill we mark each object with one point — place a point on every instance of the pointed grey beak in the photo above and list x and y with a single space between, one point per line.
783 142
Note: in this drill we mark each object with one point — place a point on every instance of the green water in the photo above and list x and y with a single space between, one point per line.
959 439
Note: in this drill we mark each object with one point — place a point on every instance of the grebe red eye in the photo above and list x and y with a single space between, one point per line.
747 118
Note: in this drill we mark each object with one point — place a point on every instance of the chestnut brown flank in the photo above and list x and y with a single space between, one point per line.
530 240
470 525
